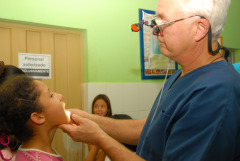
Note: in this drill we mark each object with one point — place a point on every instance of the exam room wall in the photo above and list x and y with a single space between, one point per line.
111 49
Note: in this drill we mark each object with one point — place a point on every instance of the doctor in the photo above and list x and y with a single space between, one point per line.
196 116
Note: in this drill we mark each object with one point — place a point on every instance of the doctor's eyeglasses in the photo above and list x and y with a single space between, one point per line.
157 24
160 25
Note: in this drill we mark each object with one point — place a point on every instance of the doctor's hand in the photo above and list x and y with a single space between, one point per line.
83 130
80 113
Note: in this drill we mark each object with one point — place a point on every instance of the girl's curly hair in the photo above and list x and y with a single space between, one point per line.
18 99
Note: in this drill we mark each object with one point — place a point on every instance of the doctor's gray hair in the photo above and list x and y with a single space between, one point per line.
215 11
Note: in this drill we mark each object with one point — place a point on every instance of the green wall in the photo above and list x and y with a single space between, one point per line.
231 32
112 51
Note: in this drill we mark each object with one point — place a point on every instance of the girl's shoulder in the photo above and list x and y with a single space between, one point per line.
35 154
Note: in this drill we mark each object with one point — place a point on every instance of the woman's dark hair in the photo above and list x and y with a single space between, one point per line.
7 71
106 99
125 116
121 116
18 100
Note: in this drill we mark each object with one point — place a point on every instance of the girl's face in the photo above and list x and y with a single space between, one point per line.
100 108
53 107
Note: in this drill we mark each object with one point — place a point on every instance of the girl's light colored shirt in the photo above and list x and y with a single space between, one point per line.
36 155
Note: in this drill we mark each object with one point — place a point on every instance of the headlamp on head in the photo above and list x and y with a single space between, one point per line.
158 26
139 26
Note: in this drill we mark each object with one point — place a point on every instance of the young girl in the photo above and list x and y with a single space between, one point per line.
9 147
100 106
31 112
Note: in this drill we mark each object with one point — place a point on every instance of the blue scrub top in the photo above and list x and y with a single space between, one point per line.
197 119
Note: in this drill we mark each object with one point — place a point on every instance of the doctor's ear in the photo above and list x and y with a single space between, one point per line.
37 118
202 29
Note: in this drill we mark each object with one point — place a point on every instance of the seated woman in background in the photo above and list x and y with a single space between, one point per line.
100 106
7 71
32 113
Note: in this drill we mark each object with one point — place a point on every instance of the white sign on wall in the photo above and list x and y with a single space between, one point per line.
35 65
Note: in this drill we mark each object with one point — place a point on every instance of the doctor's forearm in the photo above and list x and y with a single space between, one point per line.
125 131
116 151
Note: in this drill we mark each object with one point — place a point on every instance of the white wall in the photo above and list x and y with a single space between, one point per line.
134 99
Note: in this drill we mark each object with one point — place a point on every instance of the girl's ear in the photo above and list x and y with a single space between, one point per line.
202 29
37 118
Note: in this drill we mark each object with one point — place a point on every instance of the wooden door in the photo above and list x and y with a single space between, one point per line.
66 50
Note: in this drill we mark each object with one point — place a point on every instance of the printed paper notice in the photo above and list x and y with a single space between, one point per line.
35 65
